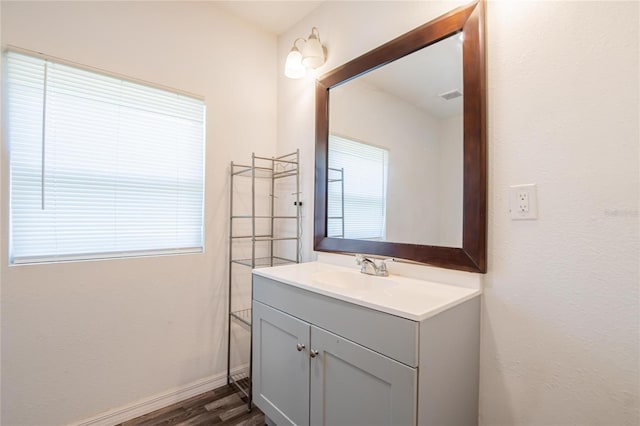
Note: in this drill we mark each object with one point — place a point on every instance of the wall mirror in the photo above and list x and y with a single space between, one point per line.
401 149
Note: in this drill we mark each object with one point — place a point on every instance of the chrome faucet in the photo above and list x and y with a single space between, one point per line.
379 270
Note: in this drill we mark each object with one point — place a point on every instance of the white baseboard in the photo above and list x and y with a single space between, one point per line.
147 405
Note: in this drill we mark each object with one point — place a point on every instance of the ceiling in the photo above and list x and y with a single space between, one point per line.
273 16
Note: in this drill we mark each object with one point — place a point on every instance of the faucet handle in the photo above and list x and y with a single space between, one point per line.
359 259
383 266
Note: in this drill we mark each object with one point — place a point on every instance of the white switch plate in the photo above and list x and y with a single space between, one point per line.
523 202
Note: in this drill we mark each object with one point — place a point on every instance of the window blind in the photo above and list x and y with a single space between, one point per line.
100 167
359 201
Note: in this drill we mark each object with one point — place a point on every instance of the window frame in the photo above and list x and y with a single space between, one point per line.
27 259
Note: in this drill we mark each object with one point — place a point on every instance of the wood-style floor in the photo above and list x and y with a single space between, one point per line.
219 407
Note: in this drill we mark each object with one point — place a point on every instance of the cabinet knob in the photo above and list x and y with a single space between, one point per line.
300 346
313 353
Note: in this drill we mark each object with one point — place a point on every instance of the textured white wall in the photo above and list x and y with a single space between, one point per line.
560 319
82 338
560 337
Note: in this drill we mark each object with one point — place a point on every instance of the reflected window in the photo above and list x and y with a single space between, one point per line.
357 190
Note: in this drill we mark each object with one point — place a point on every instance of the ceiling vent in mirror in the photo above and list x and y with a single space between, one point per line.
452 94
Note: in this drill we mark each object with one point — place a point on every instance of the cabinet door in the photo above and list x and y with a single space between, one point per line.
352 385
280 370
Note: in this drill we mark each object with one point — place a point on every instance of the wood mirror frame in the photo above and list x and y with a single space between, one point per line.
472 255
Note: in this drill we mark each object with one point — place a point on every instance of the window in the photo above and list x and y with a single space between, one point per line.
357 190
100 167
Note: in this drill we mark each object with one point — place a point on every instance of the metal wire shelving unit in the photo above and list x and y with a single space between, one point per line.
267 240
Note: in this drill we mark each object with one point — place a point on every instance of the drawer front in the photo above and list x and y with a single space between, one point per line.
387 334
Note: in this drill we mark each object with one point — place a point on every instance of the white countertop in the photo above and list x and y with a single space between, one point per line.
409 298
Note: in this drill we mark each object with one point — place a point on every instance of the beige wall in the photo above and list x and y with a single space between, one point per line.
82 338
561 306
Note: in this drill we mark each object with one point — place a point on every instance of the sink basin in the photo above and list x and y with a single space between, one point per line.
406 297
353 281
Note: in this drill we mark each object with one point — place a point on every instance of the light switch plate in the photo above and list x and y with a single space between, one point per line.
523 202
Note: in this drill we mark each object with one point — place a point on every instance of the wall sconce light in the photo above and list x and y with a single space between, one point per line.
311 56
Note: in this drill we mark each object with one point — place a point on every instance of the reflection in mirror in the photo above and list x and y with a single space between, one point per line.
395 150
356 190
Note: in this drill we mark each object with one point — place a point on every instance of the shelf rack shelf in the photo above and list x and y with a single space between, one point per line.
243 315
261 233
261 262
242 381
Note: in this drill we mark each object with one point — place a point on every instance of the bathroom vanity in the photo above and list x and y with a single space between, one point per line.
332 346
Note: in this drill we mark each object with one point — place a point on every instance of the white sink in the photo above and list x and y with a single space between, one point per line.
398 295
353 281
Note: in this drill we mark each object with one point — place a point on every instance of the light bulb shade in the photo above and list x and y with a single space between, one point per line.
313 53
293 67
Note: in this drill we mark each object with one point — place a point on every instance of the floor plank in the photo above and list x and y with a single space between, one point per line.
219 407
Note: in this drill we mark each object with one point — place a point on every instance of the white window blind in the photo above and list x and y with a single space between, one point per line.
100 167
357 204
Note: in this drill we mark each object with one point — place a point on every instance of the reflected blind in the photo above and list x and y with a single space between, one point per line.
358 203
100 167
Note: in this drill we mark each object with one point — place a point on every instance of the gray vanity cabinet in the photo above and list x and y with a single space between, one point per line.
319 360
280 365
306 375
352 385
